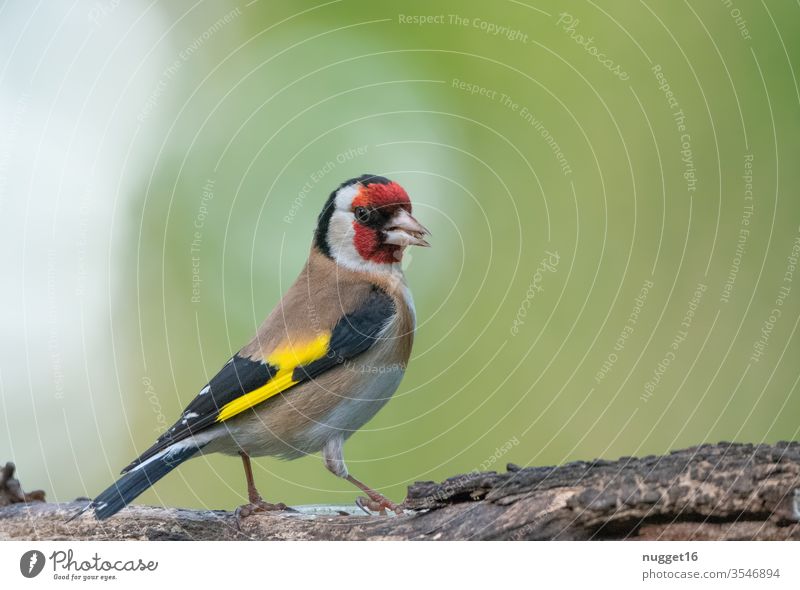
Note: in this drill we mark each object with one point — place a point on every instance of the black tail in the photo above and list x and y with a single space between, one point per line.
136 481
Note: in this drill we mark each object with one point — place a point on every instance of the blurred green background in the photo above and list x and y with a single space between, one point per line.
612 189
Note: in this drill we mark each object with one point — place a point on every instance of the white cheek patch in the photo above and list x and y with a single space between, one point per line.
340 240
340 230
341 234
344 198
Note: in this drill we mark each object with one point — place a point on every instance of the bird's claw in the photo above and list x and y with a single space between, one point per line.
259 507
378 504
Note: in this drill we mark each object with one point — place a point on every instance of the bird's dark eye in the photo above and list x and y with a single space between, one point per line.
363 215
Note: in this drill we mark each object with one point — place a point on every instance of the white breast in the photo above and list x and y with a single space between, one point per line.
374 377
377 384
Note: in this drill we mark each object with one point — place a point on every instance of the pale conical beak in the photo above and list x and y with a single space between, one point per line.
404 230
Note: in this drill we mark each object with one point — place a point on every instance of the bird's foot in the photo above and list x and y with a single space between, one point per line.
378 503
259 506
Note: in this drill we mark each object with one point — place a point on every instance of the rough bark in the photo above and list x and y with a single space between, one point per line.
11 491
723 491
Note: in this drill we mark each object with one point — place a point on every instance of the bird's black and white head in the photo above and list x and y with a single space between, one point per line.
367 224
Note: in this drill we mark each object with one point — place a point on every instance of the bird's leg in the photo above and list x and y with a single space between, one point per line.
376 502
333 457
252 492
257 503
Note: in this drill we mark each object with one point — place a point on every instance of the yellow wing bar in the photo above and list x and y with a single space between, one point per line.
286 359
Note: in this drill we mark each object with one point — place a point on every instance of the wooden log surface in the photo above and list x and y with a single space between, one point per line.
723 491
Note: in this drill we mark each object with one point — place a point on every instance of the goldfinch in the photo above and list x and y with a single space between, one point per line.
322 364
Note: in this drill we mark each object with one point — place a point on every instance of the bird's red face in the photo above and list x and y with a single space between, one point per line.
383 223
368 222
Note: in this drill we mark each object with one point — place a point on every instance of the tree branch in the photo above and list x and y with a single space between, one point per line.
722 491
11 491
